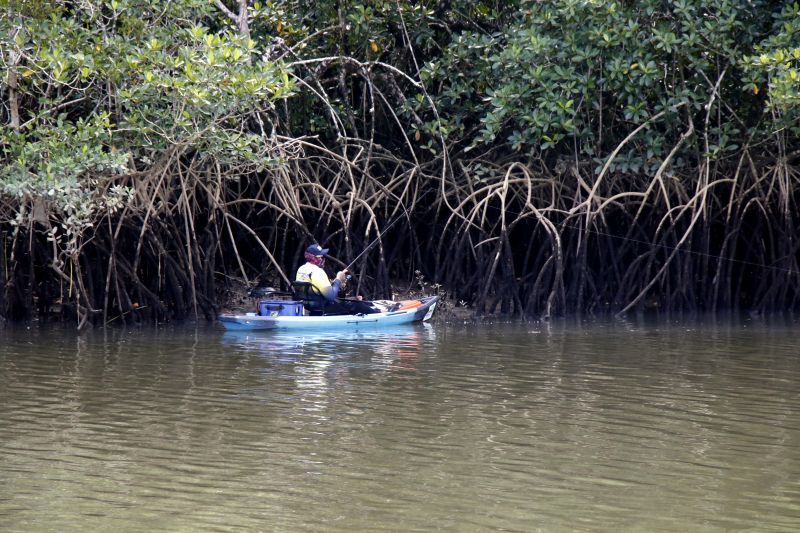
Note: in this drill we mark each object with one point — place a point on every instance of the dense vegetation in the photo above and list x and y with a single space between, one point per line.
546 157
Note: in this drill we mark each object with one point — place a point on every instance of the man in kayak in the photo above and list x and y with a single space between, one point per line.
312 272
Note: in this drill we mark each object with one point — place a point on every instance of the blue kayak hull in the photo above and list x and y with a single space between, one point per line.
252 321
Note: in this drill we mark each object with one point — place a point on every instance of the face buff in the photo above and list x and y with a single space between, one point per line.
314 259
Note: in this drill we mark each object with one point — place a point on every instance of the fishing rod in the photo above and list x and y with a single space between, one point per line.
263 291
375 241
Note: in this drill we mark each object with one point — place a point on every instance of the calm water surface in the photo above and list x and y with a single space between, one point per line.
560 427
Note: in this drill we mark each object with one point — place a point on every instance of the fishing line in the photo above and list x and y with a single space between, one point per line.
373 243
667 247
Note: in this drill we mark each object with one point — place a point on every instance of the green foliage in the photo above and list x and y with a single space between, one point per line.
776 63
62 166
579 75
106 88
529 77
27 8
403 35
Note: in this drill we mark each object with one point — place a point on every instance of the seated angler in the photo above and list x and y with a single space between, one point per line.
312 272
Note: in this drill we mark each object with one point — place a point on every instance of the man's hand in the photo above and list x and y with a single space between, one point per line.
342 275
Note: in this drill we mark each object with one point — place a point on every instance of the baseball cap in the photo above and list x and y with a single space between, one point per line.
316 249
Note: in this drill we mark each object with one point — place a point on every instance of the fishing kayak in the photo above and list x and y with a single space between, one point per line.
403 313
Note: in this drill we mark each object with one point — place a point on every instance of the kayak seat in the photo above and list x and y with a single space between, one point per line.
312 299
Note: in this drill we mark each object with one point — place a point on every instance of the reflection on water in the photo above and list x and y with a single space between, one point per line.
317 359
392 341
573 427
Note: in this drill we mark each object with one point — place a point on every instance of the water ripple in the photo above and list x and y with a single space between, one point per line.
518 429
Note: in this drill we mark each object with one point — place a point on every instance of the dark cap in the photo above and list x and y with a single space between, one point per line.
316 249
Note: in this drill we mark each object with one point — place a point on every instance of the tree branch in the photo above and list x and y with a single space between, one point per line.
227 11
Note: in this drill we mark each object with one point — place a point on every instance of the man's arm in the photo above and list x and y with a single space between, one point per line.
326 288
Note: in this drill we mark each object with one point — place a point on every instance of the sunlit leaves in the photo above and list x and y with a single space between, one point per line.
578 73
110 87
777 64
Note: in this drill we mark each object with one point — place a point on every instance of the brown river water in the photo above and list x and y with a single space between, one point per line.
603 426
